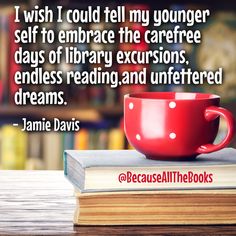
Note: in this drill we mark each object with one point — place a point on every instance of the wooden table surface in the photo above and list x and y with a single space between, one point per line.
42 203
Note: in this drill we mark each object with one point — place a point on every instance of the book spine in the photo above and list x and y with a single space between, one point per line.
13 66
81 140
52 153
13 148
4 56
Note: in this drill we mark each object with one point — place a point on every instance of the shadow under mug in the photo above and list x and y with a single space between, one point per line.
175 125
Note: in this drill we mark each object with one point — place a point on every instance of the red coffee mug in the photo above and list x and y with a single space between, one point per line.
173 125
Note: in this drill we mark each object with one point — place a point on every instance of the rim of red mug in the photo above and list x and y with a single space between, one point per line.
209 96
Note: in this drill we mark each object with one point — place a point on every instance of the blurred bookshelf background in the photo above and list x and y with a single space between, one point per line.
100 108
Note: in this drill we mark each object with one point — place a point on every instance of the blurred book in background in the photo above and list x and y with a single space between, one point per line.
116 139
13 148
34 156
52 150
81 140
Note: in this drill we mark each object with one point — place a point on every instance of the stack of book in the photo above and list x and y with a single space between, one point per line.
124 188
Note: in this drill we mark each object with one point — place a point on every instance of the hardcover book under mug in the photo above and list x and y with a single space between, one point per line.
173 125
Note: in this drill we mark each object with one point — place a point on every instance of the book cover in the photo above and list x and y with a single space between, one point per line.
118 170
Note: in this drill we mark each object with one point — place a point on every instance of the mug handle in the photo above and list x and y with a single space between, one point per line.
212 113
